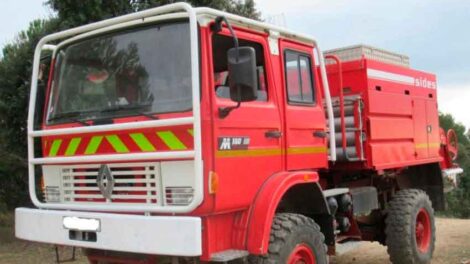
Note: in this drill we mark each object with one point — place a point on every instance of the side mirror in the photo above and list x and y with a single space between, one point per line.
243 80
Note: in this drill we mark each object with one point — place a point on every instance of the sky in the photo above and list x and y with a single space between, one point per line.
15 16
433 33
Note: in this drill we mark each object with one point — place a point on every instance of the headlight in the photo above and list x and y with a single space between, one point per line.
179 195
178 181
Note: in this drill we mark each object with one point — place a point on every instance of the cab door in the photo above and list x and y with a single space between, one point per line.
305 125
248 141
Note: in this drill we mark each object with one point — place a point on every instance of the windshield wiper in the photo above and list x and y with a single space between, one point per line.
138 109
79 121
149 115
71 116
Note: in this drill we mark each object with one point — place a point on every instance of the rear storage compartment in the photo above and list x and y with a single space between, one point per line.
390 109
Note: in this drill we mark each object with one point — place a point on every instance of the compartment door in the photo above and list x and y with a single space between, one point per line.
432 117
420 128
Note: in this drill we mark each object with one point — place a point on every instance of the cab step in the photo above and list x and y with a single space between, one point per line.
228 255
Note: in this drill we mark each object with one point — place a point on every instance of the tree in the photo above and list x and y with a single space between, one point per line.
73 13
459 200
15 74
244 8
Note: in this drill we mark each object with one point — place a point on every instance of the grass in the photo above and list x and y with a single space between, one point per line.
6 228
6 219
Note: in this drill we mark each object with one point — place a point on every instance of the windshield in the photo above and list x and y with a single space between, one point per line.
138 71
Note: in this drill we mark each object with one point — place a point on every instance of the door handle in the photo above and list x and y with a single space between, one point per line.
319 134
273 134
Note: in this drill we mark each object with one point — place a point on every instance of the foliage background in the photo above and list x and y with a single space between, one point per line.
15 74
458 200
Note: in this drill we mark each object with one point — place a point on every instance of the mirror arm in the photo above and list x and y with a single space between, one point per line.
225 111
218 23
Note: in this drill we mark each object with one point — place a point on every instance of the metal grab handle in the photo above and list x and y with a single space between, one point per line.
341 102
320 134
273 134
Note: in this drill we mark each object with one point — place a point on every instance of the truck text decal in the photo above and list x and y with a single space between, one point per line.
400 78
233 143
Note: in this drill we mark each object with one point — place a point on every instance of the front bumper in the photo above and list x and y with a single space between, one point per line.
157 235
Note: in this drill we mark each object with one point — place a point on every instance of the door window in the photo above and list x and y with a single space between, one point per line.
220 45
299 79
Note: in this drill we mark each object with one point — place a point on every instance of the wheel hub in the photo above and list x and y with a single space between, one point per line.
302 254
423 230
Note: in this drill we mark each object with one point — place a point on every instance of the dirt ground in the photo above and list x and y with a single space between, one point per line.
452 247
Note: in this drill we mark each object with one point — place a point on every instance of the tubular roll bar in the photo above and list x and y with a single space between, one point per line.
195 121
341 103
329 106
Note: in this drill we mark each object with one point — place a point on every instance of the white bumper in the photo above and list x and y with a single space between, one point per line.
159 235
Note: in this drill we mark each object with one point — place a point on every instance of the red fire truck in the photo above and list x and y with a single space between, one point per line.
202 136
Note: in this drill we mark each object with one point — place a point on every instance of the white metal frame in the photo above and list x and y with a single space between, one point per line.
194 120
196 154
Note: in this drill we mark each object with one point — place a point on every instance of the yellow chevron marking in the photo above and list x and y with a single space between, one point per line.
171 140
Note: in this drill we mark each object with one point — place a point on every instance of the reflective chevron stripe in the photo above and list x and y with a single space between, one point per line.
55 147
171 140
73 146
93 145
119 143
141 140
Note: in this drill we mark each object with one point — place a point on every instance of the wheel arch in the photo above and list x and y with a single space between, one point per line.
427 177
284 192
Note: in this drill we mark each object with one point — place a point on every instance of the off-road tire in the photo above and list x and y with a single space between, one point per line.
401 222
287 232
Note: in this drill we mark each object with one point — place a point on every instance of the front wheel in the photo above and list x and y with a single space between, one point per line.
410 228
295 239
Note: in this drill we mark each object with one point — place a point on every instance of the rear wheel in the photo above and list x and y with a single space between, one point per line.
410 228
295 239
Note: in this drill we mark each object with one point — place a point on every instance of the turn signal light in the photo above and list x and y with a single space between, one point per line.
42 185
213 182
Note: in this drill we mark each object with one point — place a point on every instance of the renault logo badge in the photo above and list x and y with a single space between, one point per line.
105 181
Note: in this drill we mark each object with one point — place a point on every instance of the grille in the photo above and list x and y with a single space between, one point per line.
133 183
